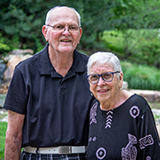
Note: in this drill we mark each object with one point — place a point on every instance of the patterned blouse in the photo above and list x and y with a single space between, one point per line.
127 132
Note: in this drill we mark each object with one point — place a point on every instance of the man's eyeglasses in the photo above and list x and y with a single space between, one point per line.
71 28
107 77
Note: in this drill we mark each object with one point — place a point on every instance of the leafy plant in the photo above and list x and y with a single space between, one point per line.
140 46
141 76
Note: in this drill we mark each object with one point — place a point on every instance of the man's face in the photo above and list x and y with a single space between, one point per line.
66 40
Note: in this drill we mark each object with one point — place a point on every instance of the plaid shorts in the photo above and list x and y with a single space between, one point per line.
32 156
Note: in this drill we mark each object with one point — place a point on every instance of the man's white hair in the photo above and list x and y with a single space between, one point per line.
48 15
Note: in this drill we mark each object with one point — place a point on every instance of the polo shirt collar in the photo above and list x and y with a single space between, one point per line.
46 68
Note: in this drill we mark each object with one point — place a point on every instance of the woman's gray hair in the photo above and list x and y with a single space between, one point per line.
103 58
48 16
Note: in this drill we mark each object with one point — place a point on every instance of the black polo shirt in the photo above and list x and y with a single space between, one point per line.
55 107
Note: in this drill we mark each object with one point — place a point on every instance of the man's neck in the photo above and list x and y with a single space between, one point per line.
61 62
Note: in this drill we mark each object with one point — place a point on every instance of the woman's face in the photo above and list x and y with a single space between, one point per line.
105 91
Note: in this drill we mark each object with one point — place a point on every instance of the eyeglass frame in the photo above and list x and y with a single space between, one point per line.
62 30
101 75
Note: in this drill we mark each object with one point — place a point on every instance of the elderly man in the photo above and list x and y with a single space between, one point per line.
48 98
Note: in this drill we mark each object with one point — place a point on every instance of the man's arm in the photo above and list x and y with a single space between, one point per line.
14 136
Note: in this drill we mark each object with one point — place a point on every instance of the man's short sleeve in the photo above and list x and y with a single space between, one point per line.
17 95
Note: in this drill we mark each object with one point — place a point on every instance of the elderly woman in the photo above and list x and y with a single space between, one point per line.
121 123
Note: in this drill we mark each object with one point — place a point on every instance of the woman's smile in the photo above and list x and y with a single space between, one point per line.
102 91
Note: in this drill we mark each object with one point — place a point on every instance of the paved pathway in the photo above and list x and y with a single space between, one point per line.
151 96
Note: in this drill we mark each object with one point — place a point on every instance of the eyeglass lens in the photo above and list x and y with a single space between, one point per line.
60 27
107 77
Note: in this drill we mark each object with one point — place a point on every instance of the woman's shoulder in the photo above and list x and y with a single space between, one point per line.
134 97
138 101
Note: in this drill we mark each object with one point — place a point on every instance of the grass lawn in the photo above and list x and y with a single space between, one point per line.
3 127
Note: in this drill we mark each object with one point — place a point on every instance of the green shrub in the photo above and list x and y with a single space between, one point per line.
141 76
8 43
141 46
114 41
3 46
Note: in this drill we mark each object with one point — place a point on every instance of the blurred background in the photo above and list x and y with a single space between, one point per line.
130 29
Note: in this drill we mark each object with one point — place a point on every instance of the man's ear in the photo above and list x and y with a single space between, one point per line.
80 34
45 32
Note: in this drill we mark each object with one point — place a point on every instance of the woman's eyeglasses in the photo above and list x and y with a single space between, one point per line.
107 77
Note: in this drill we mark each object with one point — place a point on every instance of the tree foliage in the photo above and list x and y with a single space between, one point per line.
24 19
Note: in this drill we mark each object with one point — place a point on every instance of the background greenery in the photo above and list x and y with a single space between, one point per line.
3 127
135 22
141 76
130 29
